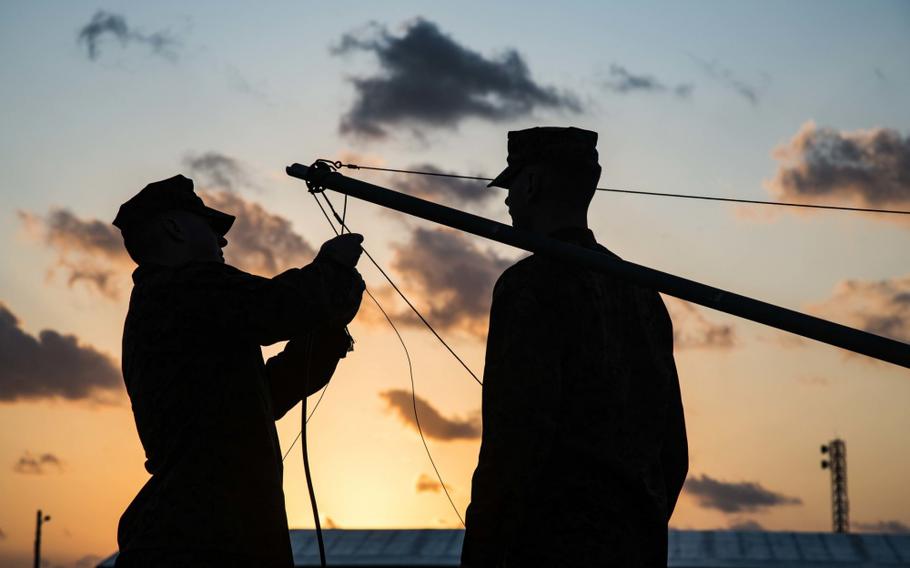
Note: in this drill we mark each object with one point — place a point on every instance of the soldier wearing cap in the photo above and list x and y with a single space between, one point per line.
584 446
204 402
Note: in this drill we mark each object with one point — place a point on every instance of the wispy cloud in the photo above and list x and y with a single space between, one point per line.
432 422
451 191
881 307
51 365
427 79
89 251
216 171
427 484
726 77
623 81
735 497
108 24
692 329
29 464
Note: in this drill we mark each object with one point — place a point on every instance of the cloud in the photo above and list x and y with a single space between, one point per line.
89 251
216 171
623 81
51 365
454 276
890 527
450 191
881 307
259 241
746 525
110 24
692 330
433 424
427 484
726 77
29 464
868 167
2 535
427 79
735 497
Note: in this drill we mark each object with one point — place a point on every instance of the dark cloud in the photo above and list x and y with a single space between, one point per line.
114 25
890 527
870 167
621 80
881 307
259 241
451 191
51 365
746 525
427 79
693 330
30 464
427 484
726 77
735 497
433 424
454 277
216 171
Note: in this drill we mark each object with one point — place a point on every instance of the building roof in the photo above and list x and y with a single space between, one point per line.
688 549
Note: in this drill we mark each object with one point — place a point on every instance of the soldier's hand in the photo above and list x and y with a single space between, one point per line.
353 298
343 249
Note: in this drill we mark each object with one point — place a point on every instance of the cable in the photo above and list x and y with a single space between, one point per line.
651 193
404 346
400 293
306 457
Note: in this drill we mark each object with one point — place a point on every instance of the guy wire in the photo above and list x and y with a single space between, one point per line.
651 193
400 293
407 355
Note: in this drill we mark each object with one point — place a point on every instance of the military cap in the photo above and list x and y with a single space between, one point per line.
170 194
573 147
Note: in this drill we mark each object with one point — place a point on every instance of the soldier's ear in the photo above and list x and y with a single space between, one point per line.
173 228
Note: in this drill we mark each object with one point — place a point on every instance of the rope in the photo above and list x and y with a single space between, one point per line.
407 353
651 193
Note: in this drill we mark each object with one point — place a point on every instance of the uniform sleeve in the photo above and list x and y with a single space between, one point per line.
294 303
304 366
520 399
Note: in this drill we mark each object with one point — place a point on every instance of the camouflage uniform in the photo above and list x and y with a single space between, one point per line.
584 445
205 405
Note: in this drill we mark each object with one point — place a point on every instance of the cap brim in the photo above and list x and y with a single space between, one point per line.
221 222
505 178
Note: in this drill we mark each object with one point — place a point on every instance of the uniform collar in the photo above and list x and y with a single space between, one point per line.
578 235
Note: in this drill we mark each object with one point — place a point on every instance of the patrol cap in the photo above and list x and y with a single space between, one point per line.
569 146
170 194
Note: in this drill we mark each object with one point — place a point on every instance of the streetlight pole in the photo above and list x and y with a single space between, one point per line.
40 520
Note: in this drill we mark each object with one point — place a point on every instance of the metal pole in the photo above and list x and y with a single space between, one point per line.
811 327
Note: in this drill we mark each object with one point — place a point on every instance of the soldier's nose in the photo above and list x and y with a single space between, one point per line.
222 242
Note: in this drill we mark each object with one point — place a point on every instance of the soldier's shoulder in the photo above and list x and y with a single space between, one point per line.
529 274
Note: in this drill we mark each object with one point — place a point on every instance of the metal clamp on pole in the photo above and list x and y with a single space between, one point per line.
322 176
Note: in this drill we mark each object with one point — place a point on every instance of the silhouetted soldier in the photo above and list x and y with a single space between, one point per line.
584 446
205 404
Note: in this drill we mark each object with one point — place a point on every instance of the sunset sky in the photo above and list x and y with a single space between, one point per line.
800 102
